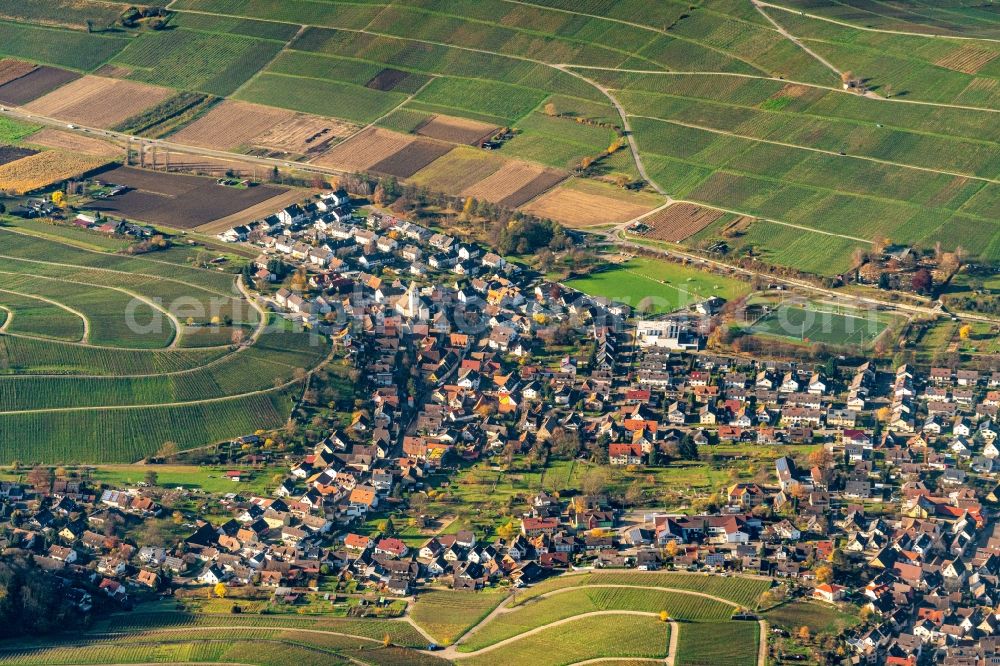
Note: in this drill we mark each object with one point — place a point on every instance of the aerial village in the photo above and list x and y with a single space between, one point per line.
464 357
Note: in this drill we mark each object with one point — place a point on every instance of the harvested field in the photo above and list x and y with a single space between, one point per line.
367 148
576 208
456 130
11 69
544 181
460 168
34 84
515 184
12 153
76 143
230 125
43 169
304 134
677 222
967 59
99 102
511 177
411 158
176 200
387 79
255 212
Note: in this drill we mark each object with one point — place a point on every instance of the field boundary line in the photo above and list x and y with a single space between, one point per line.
795 40
898 100
112 634
773 221
261 69
86 322
626 127
201 401
762 643
451 653
430 79
649 28
881 30
505 607
820 150
115 254
174 321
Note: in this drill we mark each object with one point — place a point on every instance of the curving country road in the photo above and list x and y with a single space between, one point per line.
84 340
452 651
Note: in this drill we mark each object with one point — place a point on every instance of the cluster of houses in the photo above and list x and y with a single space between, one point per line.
113 227
75 531
462 357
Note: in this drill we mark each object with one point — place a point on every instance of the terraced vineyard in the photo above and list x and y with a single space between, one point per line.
95 365
565 604
606 636
740 590
732 105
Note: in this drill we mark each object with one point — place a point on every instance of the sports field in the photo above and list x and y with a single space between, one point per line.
821 323
655 286
103 356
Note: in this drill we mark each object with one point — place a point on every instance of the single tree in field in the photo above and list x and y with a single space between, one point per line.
468 207
804 633
550 109
41 478
220 590
152 478
922 282
965 331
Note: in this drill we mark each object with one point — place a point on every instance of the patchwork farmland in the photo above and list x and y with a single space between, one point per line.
737 109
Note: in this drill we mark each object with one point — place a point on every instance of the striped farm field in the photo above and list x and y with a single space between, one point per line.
718 644
263 647
92 367
727 109
132 433
30 355
605 636
30 315
255 368
740 590
447 614
571 602
400 633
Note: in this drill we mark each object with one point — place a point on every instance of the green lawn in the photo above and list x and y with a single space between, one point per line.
821 323
13 130
819 617
658 286
208 479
